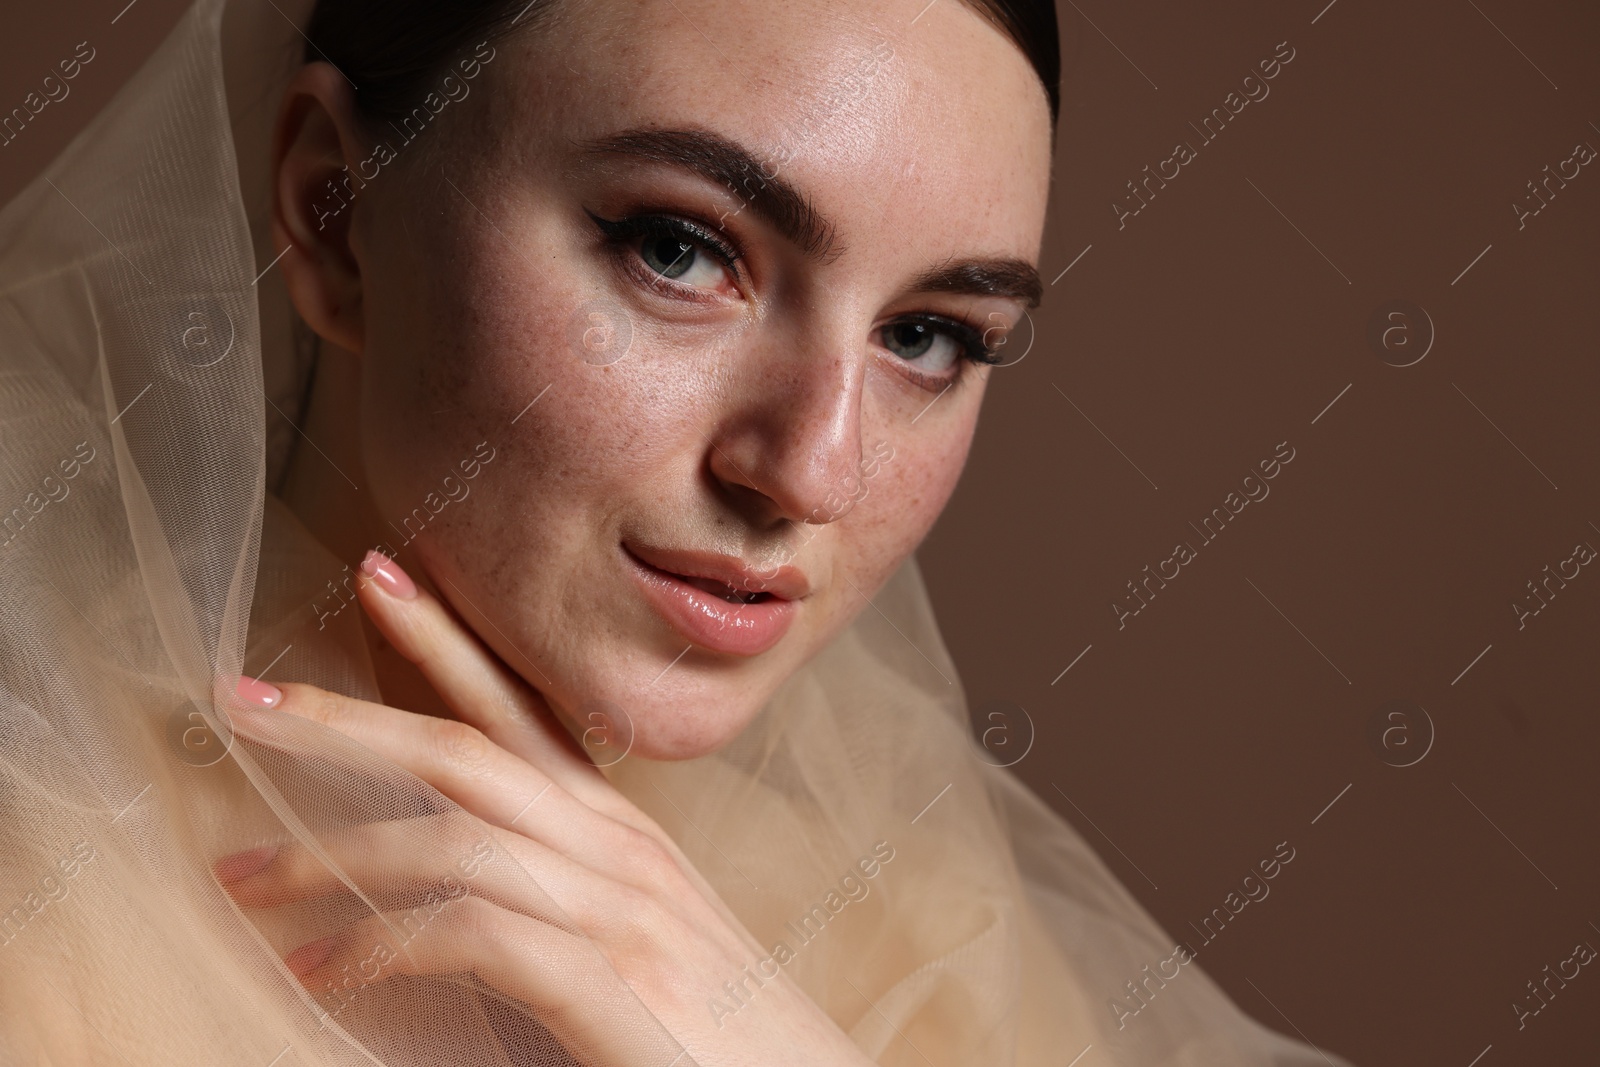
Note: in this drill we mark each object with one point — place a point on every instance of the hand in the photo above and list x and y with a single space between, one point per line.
535 814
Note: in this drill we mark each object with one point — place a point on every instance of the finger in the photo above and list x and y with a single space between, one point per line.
417 859
563 978
471 679
463 764
486 781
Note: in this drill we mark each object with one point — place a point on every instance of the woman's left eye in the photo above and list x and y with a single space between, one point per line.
934 346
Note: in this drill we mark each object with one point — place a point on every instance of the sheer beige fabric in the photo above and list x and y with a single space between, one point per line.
937 910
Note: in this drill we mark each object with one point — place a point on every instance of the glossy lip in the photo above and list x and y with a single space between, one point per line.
706 619
786 583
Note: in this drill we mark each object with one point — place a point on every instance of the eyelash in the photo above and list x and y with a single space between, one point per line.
965 334
621 233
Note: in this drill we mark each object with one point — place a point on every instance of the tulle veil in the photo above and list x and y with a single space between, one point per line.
934 907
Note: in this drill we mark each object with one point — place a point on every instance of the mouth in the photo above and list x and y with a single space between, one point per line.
724 590
717 602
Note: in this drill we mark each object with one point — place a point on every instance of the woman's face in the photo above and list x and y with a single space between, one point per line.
701 280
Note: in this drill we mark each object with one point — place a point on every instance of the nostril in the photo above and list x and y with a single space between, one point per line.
792 445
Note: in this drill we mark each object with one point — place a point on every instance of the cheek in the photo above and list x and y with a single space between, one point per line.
458 351
909 490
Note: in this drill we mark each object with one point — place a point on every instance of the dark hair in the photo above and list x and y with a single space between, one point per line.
391 49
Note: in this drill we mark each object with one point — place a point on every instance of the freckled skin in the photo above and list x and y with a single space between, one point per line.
729 422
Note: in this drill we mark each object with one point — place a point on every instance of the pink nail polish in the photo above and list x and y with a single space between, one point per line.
310 956
243 864
387 573
261 694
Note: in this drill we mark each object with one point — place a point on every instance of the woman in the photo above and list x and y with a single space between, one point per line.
635 374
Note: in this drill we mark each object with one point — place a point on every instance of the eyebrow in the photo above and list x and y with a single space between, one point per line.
1014 278
730 164
789 211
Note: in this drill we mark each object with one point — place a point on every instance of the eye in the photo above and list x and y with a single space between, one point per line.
680 259
934 346
679 251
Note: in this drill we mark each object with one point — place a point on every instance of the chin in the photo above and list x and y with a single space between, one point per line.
664 737
665 727
701 643
701 706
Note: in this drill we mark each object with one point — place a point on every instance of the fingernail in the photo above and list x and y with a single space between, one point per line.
310 956
258 693
244 864
387 573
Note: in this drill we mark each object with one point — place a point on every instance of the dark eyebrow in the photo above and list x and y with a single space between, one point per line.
730 164
790 212
1014 278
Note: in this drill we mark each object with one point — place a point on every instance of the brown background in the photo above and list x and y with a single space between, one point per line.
1218 322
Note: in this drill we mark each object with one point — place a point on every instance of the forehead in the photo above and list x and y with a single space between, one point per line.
893 111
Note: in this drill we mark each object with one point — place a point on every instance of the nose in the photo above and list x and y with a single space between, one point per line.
791 449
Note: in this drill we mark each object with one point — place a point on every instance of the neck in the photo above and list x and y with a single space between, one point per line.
325 486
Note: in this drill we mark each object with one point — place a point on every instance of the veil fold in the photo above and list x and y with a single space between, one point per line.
937 910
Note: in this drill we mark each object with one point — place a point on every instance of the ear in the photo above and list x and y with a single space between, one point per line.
313 203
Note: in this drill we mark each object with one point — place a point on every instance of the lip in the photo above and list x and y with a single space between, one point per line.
706 619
